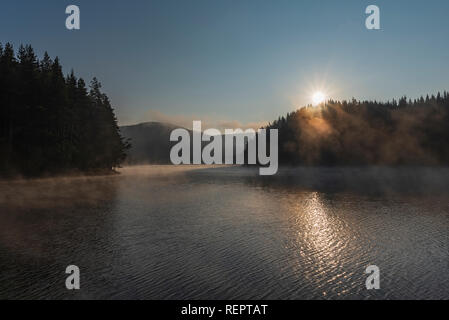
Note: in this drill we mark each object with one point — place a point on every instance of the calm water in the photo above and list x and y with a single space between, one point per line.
226 233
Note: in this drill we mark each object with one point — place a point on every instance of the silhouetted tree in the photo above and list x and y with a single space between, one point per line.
50 123
367 133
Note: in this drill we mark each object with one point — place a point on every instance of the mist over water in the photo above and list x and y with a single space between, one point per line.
202 232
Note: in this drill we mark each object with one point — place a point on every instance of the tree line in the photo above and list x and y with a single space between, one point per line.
51 123
398 132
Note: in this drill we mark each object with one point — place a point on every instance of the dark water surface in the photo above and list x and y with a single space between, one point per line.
165 232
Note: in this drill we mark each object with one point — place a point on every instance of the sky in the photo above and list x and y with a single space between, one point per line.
238 62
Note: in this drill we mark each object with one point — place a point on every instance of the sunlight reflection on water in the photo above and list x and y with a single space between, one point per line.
225 233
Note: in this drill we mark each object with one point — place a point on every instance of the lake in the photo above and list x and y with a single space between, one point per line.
204 232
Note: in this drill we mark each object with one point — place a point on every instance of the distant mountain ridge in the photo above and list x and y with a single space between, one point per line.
150 142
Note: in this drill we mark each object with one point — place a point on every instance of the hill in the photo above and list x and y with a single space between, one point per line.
402 132
150 142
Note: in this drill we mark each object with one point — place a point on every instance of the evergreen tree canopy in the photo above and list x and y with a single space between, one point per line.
403 132
50 123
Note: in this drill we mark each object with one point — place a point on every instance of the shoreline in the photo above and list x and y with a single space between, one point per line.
62 174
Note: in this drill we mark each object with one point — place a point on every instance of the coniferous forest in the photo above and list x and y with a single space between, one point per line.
50 123
403 132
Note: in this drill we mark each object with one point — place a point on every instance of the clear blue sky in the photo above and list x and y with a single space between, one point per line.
239 60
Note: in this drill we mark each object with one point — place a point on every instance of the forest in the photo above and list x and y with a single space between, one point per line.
51 123
398 132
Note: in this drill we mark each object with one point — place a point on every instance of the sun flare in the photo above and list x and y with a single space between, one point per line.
318 97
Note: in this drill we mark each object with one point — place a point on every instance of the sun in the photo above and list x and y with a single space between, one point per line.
318 97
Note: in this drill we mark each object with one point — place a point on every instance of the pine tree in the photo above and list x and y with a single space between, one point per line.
50 123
